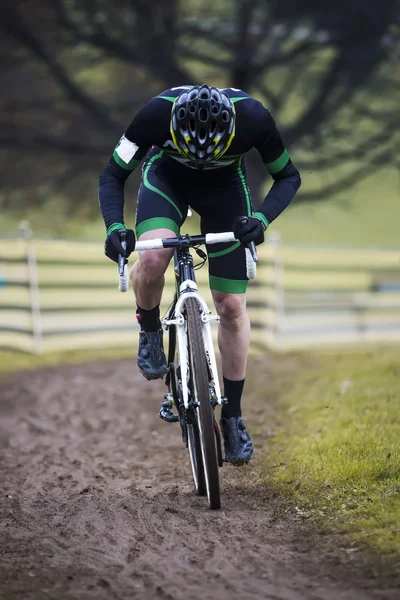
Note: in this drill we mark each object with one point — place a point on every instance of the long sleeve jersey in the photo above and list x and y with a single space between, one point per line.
150 129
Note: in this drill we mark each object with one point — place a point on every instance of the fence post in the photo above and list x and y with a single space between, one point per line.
33 286
279 288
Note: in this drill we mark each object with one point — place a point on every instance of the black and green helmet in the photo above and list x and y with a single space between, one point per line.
202 123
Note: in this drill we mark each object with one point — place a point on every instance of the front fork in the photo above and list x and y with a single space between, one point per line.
181 330
180 333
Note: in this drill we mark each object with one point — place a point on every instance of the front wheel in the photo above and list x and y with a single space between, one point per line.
196 459
204 414
190 428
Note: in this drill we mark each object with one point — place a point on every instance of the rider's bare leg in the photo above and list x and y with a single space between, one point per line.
147 274
233 340
147 277
233 333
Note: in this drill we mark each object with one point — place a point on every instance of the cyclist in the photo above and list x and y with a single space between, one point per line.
193 140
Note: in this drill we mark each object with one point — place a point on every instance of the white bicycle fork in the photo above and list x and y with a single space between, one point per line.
182 338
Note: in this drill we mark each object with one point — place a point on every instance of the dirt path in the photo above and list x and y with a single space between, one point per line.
96 503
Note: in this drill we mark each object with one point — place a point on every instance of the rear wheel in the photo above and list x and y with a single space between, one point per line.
204 414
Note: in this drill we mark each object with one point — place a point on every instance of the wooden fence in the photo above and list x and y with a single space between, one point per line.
62 294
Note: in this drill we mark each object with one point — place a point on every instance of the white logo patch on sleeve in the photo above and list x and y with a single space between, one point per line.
126 150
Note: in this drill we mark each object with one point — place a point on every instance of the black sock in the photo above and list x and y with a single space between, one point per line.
233 391
149 320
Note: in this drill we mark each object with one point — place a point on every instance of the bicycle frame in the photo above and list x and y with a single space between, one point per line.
187 288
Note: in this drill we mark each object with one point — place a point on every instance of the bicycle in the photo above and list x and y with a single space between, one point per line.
192 378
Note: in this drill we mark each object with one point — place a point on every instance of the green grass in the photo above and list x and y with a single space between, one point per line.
336 454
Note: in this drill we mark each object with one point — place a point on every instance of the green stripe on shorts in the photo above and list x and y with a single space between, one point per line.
152 187
156 223
229 286
223 252
246 190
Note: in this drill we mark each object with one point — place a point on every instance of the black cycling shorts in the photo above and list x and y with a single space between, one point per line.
165 194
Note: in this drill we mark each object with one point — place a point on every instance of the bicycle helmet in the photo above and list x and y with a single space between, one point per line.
202 123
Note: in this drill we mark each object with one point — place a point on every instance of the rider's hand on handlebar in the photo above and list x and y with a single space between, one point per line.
113 247
249 229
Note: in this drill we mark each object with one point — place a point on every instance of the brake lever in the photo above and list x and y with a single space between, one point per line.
251 245
121 259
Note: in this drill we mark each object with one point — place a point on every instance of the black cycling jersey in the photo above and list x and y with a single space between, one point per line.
150 131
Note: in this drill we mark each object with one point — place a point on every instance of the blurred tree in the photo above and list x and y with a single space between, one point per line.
76 71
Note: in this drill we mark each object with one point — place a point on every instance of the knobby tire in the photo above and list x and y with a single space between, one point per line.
193 436
204 411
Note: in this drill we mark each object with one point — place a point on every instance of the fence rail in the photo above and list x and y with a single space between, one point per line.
62 294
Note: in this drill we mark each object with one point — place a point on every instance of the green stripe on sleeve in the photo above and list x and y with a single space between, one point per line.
263 218
115 226
130 166
230 286
278 164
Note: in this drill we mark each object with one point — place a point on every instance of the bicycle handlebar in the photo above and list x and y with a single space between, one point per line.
185 241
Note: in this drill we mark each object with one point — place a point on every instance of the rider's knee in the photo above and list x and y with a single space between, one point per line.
230 307
153 264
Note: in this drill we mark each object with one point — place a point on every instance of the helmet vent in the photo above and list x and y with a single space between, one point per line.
182 113
203 115
225 116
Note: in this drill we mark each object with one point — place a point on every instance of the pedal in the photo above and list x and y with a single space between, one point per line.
214 399
169 400
166 413
213 396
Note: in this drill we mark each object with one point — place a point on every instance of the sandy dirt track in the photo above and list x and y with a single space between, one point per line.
97 503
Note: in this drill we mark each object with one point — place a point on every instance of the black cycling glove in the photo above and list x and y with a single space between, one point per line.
249 229
113 247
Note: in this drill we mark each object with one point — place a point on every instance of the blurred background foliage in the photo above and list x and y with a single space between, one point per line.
73 73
